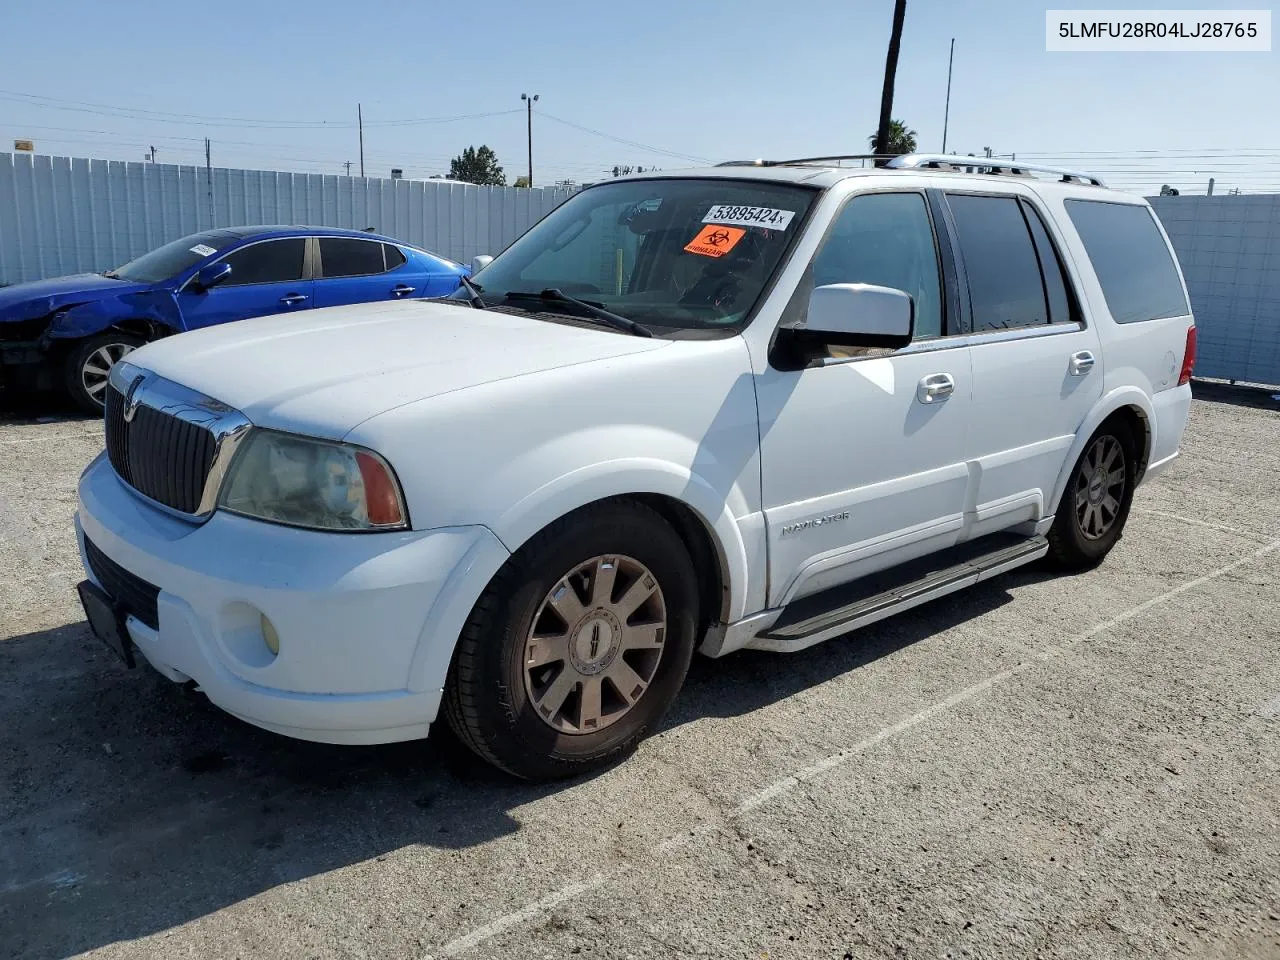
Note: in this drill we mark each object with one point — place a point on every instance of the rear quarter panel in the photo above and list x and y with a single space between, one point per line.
1141 361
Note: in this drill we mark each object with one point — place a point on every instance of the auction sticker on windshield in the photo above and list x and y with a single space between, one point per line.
203 250
715 241
749 216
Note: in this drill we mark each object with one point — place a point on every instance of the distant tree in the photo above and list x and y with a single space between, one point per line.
477 165
521 182
622 171
882 142
901 140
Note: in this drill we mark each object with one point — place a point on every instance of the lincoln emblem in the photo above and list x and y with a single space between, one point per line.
131 398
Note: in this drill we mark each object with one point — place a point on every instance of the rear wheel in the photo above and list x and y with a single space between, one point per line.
578 646
1095 504
89 367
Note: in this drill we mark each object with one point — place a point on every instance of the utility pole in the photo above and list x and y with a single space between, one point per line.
890 72
347 164
360 124
208 176
529 104
946 112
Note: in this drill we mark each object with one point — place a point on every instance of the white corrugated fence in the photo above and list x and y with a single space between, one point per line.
62 215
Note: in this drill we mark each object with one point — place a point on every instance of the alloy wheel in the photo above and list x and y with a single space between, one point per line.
1099 489
595 644
96 369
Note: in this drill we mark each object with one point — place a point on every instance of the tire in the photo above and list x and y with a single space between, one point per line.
89 364
1095 503
571 712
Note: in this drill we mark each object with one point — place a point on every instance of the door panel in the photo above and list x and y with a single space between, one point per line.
862 452
859 473
265 279
353 270
1027 407
1039 371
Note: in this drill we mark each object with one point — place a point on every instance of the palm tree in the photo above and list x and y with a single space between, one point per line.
882 140
900 140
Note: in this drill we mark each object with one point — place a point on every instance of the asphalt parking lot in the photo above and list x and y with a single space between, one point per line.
1059 767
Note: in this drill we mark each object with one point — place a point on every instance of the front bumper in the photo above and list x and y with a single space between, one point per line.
26 366
358 615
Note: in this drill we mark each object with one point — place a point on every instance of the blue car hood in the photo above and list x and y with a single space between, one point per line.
27 301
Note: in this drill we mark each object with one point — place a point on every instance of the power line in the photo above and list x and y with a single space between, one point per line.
630 143
191 119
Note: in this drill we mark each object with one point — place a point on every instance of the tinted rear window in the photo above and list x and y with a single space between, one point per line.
349 257
1132 261
393 255
1000 262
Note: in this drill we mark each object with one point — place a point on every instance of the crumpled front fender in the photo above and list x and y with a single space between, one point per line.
85 319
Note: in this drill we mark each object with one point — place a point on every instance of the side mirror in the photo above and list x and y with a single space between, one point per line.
212 275
859 315
480 262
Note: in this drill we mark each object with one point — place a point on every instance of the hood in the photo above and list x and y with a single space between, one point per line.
27 301
322 372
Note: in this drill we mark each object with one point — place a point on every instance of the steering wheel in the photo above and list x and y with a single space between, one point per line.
717 286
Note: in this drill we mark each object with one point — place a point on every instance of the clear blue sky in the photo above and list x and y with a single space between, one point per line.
714 80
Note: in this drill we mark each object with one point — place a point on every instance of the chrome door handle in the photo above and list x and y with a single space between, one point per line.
1081 363
401 290
292 298
935 388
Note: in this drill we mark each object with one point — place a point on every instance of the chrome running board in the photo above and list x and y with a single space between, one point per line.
841 609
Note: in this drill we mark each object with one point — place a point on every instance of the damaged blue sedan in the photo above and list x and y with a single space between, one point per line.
68 332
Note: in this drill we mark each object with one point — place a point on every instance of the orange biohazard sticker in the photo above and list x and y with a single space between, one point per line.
715 241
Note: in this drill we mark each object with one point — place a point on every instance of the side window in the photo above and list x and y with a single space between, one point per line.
1130 257
1055 278
275 261
1000 263
886 239
393 256
349 257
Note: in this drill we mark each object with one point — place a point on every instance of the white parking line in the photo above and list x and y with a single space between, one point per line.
785 785
94 434
1199 523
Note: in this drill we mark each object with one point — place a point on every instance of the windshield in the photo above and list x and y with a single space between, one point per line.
171 259
678 254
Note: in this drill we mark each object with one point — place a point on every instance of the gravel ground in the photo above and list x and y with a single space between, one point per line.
1059 767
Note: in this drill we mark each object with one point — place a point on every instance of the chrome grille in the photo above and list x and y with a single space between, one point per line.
164 440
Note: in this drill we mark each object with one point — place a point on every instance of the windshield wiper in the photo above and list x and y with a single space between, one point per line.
615 320
473 291
111 275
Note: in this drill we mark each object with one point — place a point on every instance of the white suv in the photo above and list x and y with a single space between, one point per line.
757 405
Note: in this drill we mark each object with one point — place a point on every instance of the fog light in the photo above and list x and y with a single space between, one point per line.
270 637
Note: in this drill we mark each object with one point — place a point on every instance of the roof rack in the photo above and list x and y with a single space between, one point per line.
843 156
934 161
988 165
802 160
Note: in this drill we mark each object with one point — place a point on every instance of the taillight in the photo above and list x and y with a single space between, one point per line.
1188 357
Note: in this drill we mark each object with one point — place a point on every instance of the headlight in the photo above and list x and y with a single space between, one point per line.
312 483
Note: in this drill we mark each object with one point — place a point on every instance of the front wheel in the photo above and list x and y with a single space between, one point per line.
89 367
578 646
1095 504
